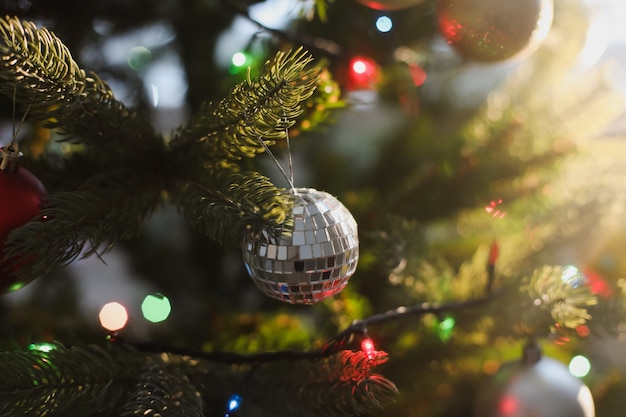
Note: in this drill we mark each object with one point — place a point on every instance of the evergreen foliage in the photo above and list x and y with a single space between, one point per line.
132 166
420 206
121 380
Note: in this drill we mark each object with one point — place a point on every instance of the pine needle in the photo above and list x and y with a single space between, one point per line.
261 107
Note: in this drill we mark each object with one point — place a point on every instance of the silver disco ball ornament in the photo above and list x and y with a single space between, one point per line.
311 256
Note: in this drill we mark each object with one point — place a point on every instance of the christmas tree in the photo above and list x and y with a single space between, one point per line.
329 208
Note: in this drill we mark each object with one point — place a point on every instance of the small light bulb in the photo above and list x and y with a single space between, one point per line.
156 307
359 66
445 328
367 345
42 347
113 316
239 59
384 24
579 366
234 402
363 73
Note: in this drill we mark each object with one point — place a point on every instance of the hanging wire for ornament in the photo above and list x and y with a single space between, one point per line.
289 159
16 129
288 177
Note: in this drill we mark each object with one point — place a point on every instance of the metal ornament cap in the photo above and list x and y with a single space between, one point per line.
311 256
10 158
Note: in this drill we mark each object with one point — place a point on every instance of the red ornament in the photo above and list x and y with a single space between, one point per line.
494 30
21 199
390 5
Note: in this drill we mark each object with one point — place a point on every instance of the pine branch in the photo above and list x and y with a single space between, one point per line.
163 391
330 382
103 211
260 108
93 381
229 201
215 197
340 385
566 297
218 200
39 71
67 382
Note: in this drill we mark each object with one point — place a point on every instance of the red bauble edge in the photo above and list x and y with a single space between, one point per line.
22 197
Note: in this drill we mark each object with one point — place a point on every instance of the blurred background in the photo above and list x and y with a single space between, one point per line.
439 142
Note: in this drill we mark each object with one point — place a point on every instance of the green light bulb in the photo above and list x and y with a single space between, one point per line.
445 328
42 347
156 307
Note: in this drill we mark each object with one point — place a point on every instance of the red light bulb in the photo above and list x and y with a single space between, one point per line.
367 345
507 406
364 74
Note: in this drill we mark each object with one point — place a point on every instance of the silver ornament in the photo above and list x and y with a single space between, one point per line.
544 388
311 256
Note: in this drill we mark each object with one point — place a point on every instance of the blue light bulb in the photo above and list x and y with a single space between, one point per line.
234 402
384 24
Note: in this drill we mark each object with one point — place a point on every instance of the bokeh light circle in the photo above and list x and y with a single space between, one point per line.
113 316
156 308
384 24
579 366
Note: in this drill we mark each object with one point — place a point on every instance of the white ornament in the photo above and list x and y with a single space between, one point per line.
311 256
545 388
